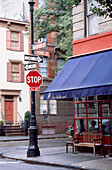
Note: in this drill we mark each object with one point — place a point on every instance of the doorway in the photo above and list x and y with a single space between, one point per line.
9 111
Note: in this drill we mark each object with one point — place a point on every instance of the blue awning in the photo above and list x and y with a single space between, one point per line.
89 75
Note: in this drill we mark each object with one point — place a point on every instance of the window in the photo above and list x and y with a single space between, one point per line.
106 108
106 126
80 110
42 40
15 72
93 125
80 125
93 109
60 64
14 41
93 114
92 19
43 105
43 67
52 106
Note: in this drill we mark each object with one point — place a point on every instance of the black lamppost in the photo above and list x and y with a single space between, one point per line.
33 149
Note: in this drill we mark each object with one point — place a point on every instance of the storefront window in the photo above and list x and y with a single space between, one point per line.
79 99
92 98
106 126
106 109
80 125
106 97
80 110
93 109
89 111
93 125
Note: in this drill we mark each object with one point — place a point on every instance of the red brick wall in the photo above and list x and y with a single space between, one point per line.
51 72
50 37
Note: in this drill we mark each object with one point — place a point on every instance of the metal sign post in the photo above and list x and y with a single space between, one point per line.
33 149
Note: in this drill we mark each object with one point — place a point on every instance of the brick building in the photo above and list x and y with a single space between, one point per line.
52 116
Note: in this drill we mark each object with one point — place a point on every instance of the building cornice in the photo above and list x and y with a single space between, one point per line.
10 23
14 21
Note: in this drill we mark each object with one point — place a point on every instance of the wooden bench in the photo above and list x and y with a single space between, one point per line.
92 140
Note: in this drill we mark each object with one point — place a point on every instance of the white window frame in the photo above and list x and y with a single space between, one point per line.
52 103
92 29
43 105
43 66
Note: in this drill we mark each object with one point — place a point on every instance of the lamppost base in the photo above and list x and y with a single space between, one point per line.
33 152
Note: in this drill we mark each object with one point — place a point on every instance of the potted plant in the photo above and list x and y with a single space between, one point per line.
27 121
2 127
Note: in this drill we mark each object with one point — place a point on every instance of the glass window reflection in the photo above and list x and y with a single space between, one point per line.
79 99
93 109
80 110
106 126
106 109
80 125
94 125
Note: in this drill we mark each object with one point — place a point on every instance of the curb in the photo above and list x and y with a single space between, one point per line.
39 138
47 164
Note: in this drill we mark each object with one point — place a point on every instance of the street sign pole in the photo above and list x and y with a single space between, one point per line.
33 149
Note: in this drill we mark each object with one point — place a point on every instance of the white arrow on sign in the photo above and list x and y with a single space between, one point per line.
33 58
30 66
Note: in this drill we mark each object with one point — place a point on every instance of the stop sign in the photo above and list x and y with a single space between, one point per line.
34 79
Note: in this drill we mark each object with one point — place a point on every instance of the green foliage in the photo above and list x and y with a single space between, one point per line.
104 8
27 117
55 16
2 122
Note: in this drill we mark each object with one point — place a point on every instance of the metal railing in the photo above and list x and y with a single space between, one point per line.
4 118
20 120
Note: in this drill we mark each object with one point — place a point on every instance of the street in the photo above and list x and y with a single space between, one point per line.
44 143
8 164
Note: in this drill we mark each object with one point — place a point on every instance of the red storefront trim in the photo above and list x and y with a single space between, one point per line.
92 44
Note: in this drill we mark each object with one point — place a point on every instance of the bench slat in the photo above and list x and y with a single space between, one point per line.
90 140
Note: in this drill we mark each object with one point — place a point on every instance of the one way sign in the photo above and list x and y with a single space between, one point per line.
33 58
30 66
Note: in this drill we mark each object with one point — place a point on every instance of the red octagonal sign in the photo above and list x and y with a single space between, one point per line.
34 79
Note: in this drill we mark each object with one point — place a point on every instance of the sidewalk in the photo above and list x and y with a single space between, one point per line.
59 158
22 138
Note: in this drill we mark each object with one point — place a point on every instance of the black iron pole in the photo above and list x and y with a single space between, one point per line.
33 149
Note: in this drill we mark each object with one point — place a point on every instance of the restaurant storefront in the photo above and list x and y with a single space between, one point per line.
88 81
93 114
